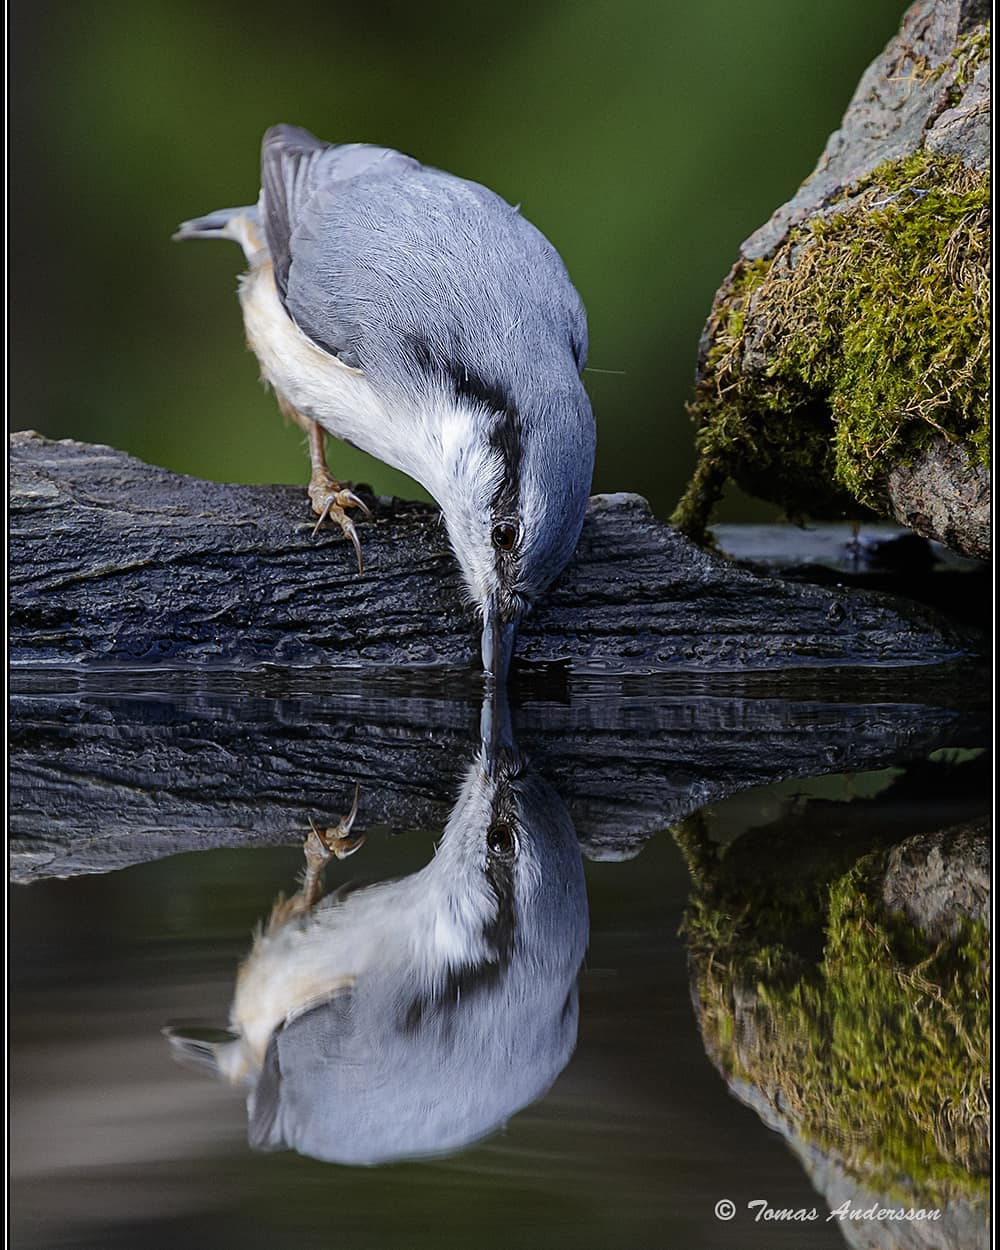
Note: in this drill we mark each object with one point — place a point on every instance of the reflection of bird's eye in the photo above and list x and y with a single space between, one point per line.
500 839
504 536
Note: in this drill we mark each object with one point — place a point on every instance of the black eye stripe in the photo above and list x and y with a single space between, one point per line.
468 384
490 395
505 440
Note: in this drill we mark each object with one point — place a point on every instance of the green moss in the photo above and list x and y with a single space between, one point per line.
873 1042
970 52
863 339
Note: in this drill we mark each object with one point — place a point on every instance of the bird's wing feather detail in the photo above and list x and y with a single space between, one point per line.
319 1032
264 1102
294 166
396 268
289 160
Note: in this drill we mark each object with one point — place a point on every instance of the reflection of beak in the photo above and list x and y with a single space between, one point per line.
501 758
499 635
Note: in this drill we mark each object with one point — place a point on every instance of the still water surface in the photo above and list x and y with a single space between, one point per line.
617 1128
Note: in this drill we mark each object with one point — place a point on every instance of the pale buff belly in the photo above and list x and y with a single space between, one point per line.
317 385
284 975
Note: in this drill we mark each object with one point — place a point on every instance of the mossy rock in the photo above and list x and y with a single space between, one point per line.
866 1037
844 369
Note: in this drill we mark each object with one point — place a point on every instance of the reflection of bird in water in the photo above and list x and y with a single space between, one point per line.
414 1016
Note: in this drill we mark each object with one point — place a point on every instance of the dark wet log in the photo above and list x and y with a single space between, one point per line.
107 771
114 561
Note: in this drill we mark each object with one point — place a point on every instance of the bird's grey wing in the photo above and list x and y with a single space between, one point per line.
264 1103
389 264
298 1077
294 165
288 173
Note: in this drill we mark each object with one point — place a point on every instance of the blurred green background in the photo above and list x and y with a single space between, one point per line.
646 139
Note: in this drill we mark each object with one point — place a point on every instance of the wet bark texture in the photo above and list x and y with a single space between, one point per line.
116 562
111 769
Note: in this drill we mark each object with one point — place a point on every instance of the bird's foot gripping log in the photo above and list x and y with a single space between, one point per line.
319 847
421 318
329 498
337 840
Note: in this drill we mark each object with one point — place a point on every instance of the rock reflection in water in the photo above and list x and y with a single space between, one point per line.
844 996
415 1016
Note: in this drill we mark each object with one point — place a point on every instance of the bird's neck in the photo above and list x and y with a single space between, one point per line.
448 448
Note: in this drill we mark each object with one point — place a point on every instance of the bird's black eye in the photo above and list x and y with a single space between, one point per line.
504 536
500 840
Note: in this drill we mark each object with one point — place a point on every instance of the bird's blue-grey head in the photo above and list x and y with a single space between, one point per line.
521 508
464 319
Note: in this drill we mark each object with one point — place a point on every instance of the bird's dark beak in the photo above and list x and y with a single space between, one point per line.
499 636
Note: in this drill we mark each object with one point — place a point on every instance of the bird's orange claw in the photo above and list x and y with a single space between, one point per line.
329 501
337 840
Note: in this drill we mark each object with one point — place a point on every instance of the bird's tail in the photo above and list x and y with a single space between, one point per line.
242 225
218 1051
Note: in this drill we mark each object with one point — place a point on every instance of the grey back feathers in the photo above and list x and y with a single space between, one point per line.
432 284
294 166
404 271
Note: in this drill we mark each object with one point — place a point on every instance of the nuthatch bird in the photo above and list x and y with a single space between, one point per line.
412 1017
420 317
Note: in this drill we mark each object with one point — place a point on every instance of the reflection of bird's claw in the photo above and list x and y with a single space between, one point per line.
329 500
337 840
